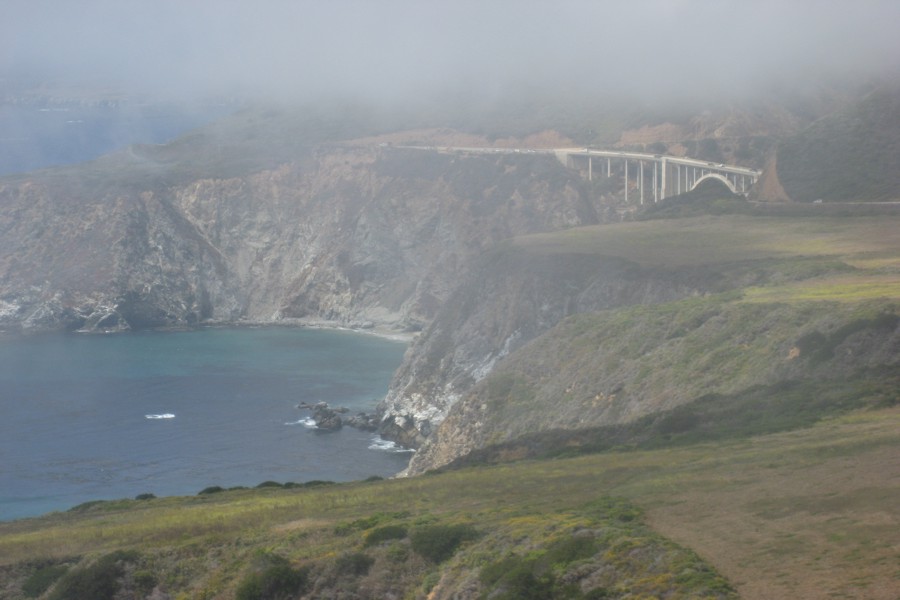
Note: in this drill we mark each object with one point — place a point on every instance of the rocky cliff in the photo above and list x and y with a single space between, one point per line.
362 235
509 297
595 371
260 219
603 325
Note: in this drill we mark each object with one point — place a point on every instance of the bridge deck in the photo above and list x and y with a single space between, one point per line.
660 187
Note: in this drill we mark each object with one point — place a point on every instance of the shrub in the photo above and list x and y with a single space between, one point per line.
516 578
678 420
612 508
357 525
382 534
570 549
145 497
41 580
277 580
99 581
354 563
437 543
85 506
316 483
398 552
144 582
213 489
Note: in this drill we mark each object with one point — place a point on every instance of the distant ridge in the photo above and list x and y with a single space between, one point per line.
851 155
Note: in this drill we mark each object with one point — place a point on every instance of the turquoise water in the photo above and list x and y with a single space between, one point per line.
170 413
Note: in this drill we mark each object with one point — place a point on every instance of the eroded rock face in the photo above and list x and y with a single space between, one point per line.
114 260
366 236
508 298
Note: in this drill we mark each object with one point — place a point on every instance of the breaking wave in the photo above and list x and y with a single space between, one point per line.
308 422
379 443
160 416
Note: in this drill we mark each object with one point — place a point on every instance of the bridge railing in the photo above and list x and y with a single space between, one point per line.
671 175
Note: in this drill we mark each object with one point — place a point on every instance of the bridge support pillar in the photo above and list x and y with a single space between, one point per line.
662 186
641 179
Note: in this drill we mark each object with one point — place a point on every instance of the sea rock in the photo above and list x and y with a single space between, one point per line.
325 417
363 421
329 418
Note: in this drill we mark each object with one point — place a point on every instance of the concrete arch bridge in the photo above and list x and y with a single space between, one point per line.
655 176
663 175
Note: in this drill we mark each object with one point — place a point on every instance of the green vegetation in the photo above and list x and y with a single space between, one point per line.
354 563
803 328
560 522
764 463
272 579
383 534
710 198
696 370
437 543
41 579
99 580
731 241
759 410
852 155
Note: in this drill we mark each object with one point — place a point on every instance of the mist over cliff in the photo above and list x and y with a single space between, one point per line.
329 196
337 215
206 229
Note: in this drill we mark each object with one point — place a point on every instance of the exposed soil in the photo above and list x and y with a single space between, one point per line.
818 523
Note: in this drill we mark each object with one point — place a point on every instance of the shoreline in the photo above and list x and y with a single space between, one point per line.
382 331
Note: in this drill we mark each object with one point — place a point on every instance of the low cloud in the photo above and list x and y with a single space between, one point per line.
389 49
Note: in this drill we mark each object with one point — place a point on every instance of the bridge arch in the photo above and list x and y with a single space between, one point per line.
717 177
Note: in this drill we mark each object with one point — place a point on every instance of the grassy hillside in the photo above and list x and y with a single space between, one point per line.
805 302
851 155
800 514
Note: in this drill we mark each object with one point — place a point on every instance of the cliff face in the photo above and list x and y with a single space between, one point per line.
603 325
510 297
614 367
118 259
358 236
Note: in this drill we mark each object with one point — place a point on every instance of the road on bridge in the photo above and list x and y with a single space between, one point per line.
689 172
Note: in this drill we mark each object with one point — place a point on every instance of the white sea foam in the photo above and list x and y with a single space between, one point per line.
160 416
308 422
379 443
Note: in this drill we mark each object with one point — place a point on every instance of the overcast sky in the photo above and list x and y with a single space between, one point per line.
388 47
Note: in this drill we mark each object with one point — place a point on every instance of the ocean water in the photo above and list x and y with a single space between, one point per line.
34 137
89 417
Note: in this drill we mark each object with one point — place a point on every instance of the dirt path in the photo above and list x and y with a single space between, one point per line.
802 515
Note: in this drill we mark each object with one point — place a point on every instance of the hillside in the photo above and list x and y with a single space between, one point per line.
586 377
851 155
688 307
790 515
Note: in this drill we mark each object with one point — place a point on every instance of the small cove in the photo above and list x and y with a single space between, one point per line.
88 417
